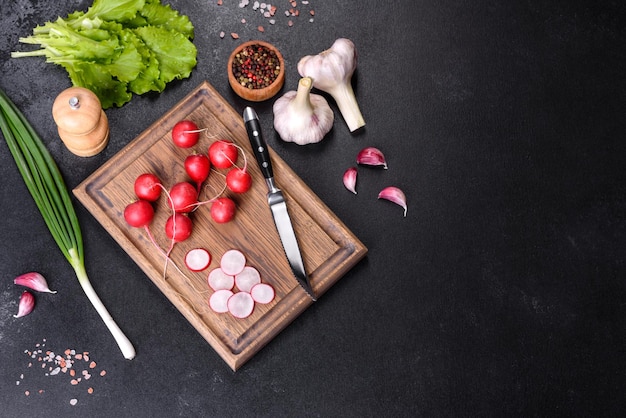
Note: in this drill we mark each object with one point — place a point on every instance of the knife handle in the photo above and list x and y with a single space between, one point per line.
259 146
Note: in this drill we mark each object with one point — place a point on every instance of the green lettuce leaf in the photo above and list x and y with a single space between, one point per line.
118 10
175 53
148 78
156 14
109 90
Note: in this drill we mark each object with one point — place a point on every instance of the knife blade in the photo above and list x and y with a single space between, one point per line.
276 201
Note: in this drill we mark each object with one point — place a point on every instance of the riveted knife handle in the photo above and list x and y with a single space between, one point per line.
259 146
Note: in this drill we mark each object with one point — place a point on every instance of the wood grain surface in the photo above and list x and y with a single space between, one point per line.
328 248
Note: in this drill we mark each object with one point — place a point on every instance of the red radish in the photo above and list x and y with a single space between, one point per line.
184 197
197 259
247 278
219 300
139 214
223 210
238 180
262 293
219 280
178 227
185 134
240 305
233 262
198 167
148 187
223 153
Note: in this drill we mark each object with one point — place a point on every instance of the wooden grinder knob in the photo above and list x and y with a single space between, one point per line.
82 124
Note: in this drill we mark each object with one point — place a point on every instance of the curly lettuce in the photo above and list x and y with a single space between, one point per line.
118 48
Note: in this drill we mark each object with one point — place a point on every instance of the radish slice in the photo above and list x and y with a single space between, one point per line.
219 280
241 305
219 300
197 259
233 262
248 277
262 293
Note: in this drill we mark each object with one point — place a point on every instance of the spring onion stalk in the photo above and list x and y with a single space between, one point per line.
47 187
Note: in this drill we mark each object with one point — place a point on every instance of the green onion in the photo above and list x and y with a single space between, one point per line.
45 183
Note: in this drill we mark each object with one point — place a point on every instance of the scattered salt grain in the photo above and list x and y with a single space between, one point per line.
58 365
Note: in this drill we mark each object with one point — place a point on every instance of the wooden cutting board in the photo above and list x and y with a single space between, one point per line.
328 248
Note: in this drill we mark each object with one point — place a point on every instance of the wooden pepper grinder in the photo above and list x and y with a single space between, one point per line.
82 124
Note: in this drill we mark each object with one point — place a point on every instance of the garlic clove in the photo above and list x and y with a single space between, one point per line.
34 281
349 179
26 305
395 195
371 156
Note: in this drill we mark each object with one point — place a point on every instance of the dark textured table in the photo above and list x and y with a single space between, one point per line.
502 292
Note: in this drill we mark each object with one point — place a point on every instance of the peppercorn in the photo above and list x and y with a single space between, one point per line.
256 66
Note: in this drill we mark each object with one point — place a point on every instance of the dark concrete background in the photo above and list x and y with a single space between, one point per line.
500 294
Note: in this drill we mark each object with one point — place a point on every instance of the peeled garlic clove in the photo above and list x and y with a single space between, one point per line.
371 156
33 280
395 195
27 304
349 179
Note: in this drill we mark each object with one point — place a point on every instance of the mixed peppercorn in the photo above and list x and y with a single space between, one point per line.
256 66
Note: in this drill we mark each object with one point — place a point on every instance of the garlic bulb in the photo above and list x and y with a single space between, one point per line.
332 71
302 117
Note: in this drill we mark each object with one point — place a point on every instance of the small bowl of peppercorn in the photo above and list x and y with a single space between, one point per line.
256 70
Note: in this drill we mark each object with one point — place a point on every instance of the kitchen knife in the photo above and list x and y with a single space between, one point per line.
276 201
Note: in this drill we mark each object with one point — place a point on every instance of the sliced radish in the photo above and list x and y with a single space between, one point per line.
248 277
262 293
219 280
241 305
233 262
197 259
219 300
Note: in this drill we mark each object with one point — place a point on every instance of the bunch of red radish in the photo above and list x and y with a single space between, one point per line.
183 197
